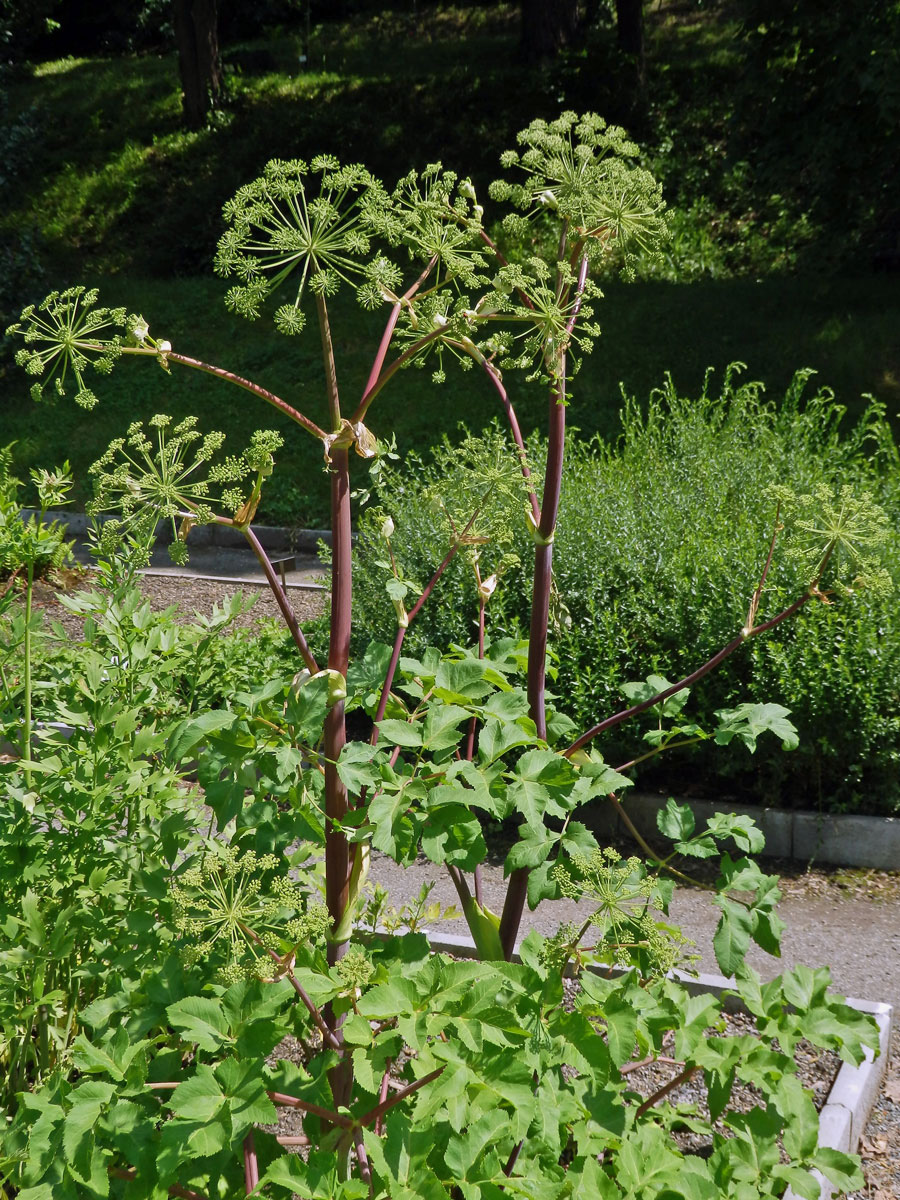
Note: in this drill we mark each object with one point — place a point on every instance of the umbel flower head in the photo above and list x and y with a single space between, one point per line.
164 477
624 894
583 170
300 222
836 535
64 335
235 907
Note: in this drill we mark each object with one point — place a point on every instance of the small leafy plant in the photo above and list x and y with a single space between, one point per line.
413 1075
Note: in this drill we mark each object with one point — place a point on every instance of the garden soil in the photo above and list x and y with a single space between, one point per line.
849 921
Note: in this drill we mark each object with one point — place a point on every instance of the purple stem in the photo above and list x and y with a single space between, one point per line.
689 680
411 616
251 1164
516 891
314 1110
494 375
327 1035
239 381
385 1105
281 600
389 372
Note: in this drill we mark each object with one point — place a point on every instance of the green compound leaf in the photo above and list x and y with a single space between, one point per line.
748 721
732 936
198 1098
201 1020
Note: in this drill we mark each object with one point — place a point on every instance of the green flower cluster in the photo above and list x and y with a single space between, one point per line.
148 479
65 333
838 531
224 907
584 171
626 898
284 223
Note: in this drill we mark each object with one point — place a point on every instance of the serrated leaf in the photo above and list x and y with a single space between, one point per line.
801 1121
400 733
442 726
534 848
748 721
497 737
356 766
840 1169
464 1150
88 1102
732 936
248 1101
621 1029
461 682
195 730
200 1020
198 1098
740 828
91 1059
675 821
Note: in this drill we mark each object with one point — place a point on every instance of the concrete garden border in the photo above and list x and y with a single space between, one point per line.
845 839
853 1094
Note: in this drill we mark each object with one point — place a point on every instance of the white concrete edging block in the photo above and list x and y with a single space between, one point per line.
854 1091
846 839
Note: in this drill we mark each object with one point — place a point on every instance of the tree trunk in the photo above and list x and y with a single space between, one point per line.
547 26
197 38
630 33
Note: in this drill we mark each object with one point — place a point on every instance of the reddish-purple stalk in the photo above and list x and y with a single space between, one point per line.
494 375
390 371
337 851
251 1164
390 326
382 1095
681 1077
411 616
314 1110
277 590
516 891
695 676
220 373
328 1037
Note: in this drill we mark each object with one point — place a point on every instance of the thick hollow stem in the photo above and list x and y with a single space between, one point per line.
516 891
337 851
251 1164
27 652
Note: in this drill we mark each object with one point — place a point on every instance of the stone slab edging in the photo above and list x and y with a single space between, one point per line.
844 839
237 580
853 1093
272 537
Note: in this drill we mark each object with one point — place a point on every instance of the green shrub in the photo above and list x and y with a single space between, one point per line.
661 541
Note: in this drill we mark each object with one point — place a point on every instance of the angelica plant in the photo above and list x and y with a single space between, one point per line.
420 1077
